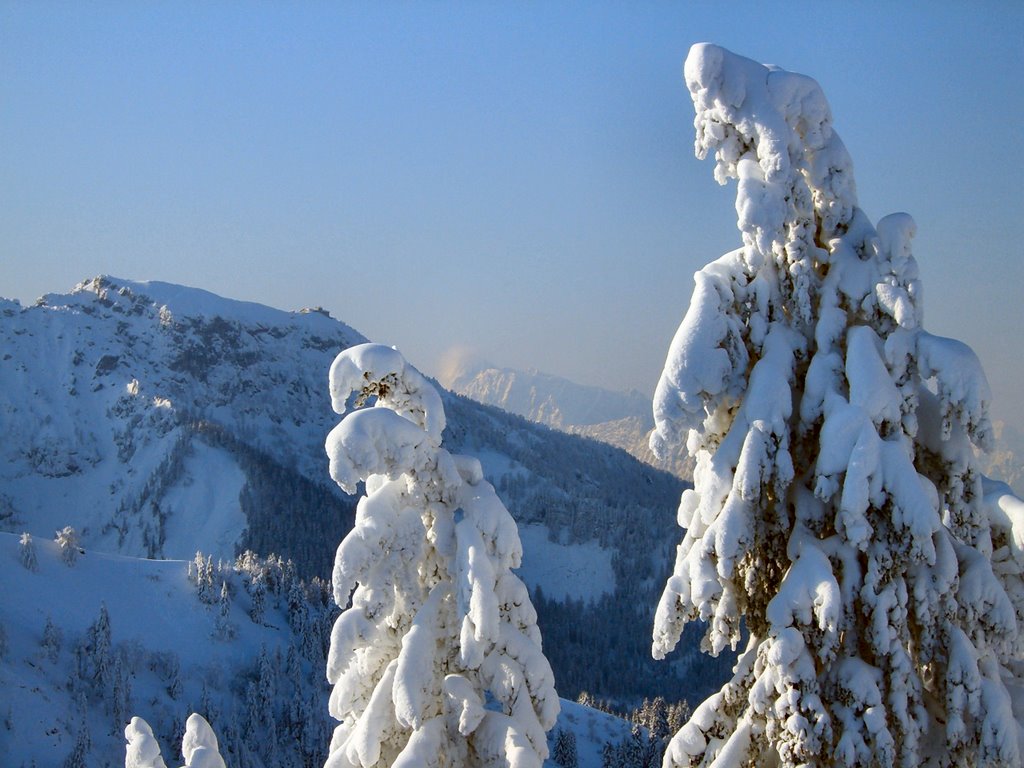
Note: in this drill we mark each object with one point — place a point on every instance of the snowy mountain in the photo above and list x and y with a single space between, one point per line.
622 419
117 398
159 420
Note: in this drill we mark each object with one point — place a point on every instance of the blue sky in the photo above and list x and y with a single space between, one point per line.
517 179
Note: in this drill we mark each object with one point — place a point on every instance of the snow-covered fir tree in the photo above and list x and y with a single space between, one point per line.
27 548
838 519
259 596
78 758
98 645
564 753
67 540
199 745
121 695
437 660
53 639
224 628
142 749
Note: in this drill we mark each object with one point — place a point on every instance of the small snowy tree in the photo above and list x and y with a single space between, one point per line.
223 627
78 758
837 512
259 599
98 640
67 540
142 750
564 754
173 684
199 746
122 694
437 661
28 552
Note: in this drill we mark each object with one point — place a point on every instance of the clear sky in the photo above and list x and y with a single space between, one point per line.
513 178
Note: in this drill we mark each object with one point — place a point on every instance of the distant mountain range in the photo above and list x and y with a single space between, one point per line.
622 419
625 421
159 420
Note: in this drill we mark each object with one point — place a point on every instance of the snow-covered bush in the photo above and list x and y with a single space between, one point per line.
837 517
437 660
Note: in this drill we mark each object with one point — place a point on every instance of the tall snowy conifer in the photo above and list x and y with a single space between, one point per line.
838 518
437 661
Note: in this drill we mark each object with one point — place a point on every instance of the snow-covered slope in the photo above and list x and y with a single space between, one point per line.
158 420
104 394
68 684
71 684
622 419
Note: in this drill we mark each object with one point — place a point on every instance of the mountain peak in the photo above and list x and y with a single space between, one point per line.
179 301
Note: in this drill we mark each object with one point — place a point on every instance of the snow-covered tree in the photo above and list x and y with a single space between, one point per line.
173 684
200 569
142 749
199 746
224 628
437 661
837 517
266 692
98 641
121 695
53 639
259 599
564 753
67 540
28 552
78 758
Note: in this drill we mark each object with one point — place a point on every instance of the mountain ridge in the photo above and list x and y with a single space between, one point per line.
157 426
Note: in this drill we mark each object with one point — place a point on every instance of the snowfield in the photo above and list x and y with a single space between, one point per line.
156 619
153 612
